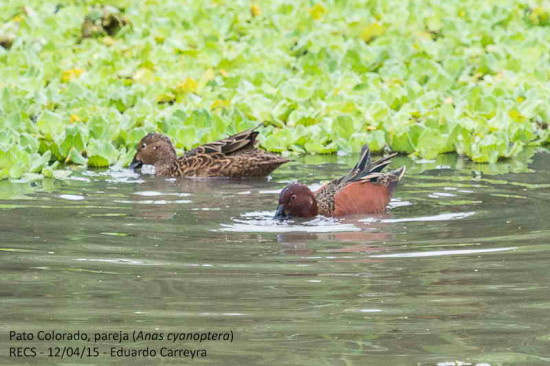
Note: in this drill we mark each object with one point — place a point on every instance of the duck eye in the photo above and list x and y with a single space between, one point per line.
293 197
143 146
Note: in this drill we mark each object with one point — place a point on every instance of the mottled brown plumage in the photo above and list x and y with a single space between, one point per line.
365 189
234 156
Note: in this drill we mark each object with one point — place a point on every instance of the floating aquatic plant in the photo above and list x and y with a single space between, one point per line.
470 77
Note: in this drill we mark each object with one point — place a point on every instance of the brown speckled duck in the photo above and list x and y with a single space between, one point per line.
234 156
365 189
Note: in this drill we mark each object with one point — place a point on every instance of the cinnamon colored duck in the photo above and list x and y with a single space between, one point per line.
365 189
234 156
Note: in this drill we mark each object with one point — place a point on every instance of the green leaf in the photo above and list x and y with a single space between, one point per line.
343 126
75 138
76 157
296 90
431 143
101 153
405 142
40 161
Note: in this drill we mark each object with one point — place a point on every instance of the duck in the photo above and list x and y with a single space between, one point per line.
235 157
365 189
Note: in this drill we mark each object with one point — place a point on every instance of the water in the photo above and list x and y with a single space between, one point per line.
455 272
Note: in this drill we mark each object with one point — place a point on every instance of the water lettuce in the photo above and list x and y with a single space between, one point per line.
83 81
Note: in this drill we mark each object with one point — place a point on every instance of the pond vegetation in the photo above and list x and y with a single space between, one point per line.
84 81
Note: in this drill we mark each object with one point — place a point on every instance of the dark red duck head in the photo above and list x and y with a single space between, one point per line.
365 189
296 200
154 149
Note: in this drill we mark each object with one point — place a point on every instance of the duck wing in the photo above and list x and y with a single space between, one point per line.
250 163
233 156
231 145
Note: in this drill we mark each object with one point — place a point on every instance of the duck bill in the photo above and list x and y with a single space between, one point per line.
135 164
280 214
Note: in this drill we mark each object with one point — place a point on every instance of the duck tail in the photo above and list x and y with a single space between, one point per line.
364 159
368 171
365 167
393 177
380 164
399 173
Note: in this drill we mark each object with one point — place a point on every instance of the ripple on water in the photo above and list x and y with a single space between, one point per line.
437 253
440 217
396 202
113 261
262 221
154 202
156 193
72 197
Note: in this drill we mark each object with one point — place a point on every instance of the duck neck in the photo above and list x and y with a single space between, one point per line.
309 209
314 207
166 166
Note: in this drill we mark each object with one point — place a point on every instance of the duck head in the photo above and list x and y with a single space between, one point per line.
154 149
296 200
